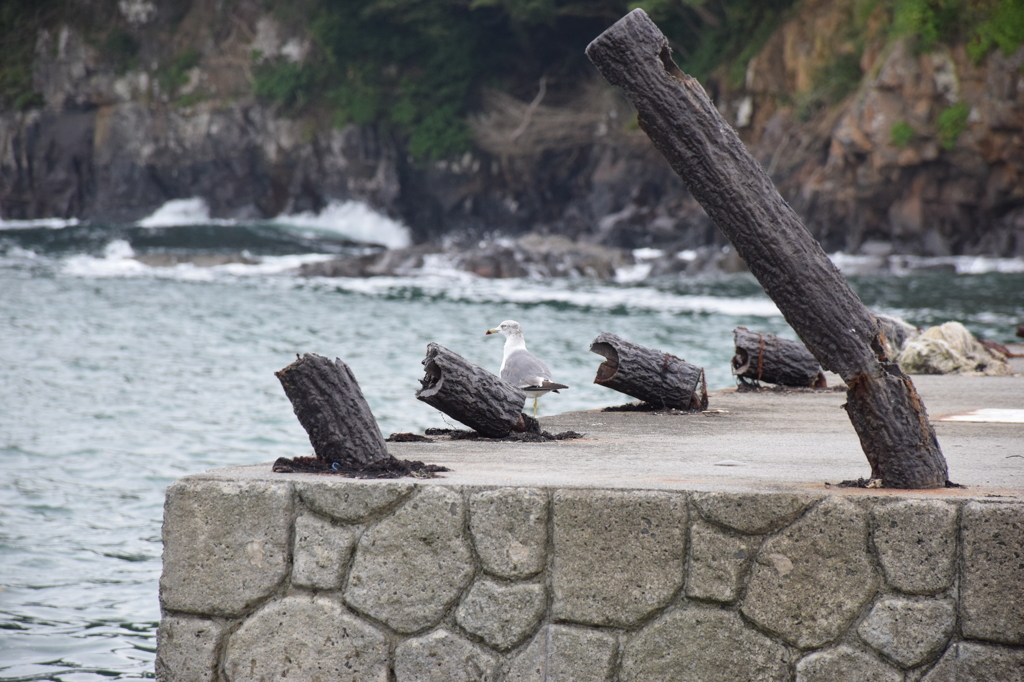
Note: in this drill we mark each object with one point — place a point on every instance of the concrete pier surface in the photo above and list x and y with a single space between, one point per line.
714 547
762 440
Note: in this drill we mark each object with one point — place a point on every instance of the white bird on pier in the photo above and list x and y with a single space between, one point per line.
522 368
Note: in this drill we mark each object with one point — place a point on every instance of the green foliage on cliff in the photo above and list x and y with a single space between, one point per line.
951 123
839 77
982 24
1005 30
707 33
418 66
19 20
901 134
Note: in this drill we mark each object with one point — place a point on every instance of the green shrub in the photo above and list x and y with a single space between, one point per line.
417 67
1005 30
833 83
932 21
286 83
175 74
951 123
982 25
120 49
901 134
20 21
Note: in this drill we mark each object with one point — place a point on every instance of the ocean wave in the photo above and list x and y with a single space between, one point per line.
51 223
120 261
854 264
586 295
353 220
181 212
349 219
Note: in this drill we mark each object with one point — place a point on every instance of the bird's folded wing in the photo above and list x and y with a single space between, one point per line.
524 369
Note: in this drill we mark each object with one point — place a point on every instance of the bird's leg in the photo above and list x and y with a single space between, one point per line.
534 408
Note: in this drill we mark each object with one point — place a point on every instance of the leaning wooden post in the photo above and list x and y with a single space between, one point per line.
766 357
470 394
654 377
331 408
812 294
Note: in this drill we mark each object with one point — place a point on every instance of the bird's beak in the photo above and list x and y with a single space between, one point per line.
491 331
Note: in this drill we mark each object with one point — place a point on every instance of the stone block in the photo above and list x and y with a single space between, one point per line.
909 632
716 562
751 513
618 555
352 501
811 580
442 656
560 653
709 645
412 566
305 637
992 587
510 531
227 545
972 662
844 664
502 615
187 649
916 543
321 552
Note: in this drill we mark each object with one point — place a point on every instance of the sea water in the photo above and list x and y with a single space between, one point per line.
125 365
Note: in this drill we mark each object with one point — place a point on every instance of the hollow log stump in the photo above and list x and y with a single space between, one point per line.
470 394
736 192
766 357
331 408
654 377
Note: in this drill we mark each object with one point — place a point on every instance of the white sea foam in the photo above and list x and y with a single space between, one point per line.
854 264
118 260
179 212
52 223
584 295
353 220
632 273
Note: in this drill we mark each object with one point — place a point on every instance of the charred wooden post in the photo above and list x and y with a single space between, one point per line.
812 294
654 377
766 357
331 408
470 394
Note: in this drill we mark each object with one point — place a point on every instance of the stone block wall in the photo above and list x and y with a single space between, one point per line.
314 578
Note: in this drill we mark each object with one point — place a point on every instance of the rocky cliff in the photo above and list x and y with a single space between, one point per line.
924 156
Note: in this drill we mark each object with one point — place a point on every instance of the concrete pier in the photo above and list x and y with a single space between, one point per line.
711 546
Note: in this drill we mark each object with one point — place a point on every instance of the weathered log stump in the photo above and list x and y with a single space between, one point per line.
654 377
331 408
736 192
768 358
470 394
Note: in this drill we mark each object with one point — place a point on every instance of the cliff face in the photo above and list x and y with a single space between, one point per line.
926 156
884 169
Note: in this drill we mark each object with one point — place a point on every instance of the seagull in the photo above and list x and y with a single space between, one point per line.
521 368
